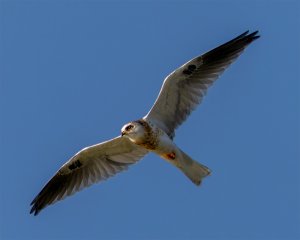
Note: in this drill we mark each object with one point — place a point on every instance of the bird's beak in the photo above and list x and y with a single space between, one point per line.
123 133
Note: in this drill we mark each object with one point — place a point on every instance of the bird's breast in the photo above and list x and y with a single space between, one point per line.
150 138
156 140
150 144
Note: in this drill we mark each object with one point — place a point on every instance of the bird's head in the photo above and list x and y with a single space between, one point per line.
133 130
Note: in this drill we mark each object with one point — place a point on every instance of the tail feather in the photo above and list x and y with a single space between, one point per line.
193 170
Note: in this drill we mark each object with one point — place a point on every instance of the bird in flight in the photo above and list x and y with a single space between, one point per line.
180 93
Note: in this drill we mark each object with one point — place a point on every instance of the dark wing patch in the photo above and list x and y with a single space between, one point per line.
74 165
63 185
189 70
91 165
185 88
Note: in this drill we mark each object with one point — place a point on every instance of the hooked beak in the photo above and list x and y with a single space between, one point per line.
123 133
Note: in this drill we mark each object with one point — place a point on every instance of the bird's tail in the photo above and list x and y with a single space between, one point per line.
192 169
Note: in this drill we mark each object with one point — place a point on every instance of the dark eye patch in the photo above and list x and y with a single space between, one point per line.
129 127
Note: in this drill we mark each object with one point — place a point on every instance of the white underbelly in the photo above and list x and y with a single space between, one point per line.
166 148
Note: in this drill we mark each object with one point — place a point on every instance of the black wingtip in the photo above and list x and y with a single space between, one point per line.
243 34
254 35
232 48
246 37
35 209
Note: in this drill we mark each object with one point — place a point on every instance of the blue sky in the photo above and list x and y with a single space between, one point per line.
73 72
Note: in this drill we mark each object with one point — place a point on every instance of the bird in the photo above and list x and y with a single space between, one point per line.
180 94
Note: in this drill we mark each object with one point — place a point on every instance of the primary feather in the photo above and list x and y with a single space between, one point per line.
185 88
90 165
181 92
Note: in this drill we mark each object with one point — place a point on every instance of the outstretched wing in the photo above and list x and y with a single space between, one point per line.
185 88
90 165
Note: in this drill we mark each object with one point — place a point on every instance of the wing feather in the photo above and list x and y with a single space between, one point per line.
90 165
185 88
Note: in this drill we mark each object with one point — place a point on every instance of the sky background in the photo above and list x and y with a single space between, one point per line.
73 72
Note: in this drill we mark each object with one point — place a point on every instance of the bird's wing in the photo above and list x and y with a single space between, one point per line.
185 88
90 165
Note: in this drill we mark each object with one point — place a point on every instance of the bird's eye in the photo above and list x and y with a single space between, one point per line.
129 127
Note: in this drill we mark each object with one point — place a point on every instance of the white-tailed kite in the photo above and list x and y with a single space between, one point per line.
181 92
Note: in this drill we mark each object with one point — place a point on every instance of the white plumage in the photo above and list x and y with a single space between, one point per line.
181 92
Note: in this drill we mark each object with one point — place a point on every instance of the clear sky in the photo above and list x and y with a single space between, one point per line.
73 72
